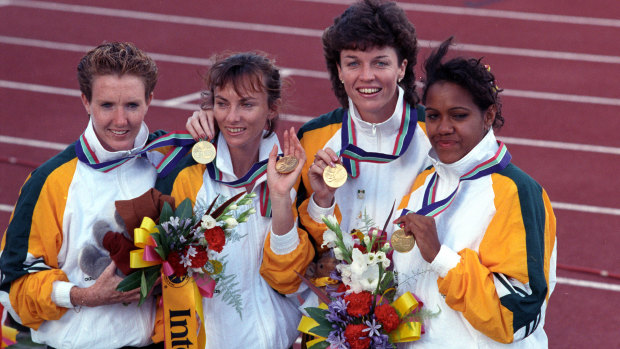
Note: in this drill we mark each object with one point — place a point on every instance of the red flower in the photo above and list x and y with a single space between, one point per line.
387 316
215 238
356 337
174 258
359 303
201 258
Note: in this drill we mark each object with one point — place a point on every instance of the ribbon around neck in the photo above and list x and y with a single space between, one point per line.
432 208
352 154
179 141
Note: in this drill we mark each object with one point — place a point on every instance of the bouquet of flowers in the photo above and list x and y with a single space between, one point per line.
361 312
187 245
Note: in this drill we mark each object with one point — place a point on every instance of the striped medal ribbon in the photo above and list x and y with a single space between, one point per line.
257 170
352 154
180 142
432 208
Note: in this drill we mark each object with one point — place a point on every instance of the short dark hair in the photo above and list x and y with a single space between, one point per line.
238 69
365 25
468 73
116 58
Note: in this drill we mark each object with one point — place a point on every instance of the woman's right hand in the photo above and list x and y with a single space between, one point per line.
103 291
323 194
201 125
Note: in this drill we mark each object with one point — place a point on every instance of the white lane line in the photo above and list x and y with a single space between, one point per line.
168 18
523 52
479 12
550 96
589 284
586 208
6 208
560 145
35 143
160 57
293 31
182 99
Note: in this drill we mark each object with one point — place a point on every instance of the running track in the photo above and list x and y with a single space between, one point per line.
558 61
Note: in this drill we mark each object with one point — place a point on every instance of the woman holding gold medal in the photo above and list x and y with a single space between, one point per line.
485 251
243 94
366 152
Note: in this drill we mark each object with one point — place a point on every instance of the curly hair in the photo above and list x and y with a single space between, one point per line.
468 73
239 69
365 25
116 58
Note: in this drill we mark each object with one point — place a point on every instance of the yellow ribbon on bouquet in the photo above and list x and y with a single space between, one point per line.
181 298
407 331
142 238
308 323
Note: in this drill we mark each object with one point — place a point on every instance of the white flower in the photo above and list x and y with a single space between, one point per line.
347 239
208 222
366 240
329 239
338 253
359 263
186 261
369 279
231 222
191 251
232 207
182 239
252 210
345 273
382 258
174 222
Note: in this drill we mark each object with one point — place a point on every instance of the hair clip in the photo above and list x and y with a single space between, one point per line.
493 82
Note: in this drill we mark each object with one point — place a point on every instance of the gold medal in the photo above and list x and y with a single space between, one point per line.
286 164
336 176
401 241
203 152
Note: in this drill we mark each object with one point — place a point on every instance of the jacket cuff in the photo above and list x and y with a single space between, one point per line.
315 211
61 294
284 244
445 260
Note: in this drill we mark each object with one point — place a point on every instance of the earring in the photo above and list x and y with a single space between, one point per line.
400 79
342 81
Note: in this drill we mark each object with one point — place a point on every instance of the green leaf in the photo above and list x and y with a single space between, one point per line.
143 287
130 282
184 210
321 330
320 345
166 213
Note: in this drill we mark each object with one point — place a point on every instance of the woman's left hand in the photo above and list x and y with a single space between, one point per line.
280 184
425 232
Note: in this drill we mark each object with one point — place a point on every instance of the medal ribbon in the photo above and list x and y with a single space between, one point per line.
352 154
432 208
180 141
257 170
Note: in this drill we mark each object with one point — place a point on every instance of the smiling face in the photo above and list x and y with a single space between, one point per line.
241 118
117 109
370 79
454 124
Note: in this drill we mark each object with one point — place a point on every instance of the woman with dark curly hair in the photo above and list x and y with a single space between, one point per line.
485 252
378 135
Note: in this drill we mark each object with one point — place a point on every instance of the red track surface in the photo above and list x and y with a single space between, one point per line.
577 316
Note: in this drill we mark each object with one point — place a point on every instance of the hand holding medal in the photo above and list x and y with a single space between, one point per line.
201 126
282 172
416 229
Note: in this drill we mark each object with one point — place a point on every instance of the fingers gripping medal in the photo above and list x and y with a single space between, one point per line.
401 241
286 164
203 152
335 176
